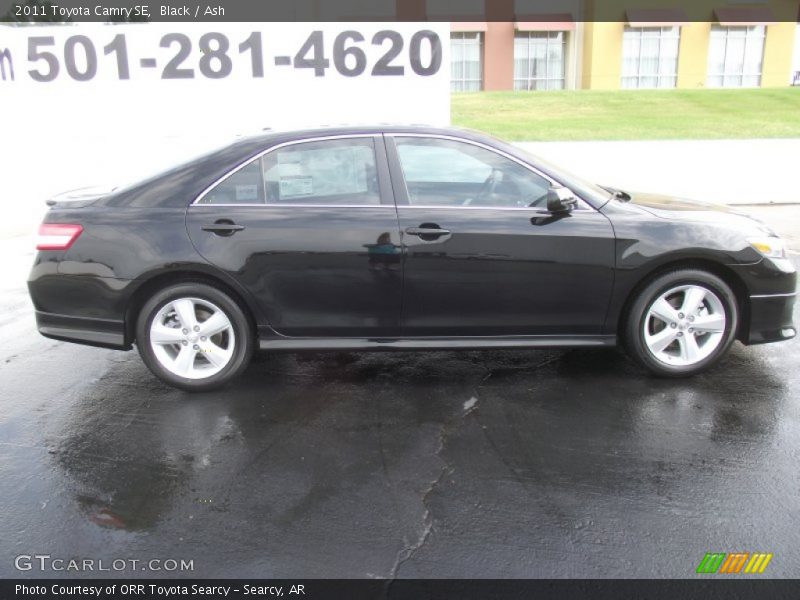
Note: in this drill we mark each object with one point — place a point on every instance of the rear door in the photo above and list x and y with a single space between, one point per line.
310 229
483 257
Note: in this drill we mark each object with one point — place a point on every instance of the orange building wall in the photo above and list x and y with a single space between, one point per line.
498 56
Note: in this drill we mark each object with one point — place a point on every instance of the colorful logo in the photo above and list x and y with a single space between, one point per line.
736 562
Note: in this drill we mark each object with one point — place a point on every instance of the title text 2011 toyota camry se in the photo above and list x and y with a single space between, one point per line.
399 238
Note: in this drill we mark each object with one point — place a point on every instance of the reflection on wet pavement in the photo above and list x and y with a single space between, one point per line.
491 464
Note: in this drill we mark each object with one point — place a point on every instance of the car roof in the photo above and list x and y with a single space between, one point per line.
171 187
272 135
174 186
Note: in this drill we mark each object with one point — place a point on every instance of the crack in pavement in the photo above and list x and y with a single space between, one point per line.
410 550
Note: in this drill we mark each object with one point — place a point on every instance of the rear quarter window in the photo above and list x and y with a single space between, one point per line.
245 186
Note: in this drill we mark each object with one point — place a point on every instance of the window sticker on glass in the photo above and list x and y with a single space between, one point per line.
246 193
293 186
327 172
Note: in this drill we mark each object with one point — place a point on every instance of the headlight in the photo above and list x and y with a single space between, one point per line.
771 247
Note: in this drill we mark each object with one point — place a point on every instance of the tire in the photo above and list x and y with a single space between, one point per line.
681 323
170 340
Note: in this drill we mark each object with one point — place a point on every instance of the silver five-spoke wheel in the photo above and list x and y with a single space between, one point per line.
192 338
684 325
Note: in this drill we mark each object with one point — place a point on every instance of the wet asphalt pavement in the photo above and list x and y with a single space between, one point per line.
441 464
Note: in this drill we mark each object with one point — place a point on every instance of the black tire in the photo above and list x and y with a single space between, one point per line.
242 340
634 324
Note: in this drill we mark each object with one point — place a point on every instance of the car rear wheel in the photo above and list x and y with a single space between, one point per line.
682 323
194 336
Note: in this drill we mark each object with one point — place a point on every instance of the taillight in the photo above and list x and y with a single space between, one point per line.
57 236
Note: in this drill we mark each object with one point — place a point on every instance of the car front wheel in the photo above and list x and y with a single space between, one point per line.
194 336
682 323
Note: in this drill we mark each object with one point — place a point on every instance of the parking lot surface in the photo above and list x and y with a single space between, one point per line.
439 464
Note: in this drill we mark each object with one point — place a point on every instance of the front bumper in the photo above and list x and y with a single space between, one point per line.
772 290
770 319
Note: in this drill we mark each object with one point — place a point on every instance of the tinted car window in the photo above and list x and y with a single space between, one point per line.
245 186
442 172
326 172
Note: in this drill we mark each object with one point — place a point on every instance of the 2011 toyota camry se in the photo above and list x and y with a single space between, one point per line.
399 238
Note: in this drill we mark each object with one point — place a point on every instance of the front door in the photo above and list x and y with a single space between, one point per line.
310 229
483 255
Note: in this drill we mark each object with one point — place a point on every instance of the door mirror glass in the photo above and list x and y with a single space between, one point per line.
560 199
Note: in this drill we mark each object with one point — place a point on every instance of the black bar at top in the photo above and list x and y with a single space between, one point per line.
758 11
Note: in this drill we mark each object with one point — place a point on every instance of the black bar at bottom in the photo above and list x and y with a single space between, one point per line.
708 588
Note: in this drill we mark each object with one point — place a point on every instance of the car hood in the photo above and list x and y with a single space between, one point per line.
671 203
682 209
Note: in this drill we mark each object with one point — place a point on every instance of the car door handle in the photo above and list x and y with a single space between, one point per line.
427 231
223 227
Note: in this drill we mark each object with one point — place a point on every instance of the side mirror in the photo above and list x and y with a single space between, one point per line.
560 199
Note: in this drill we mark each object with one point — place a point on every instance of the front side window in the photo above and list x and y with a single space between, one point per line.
650 57
340 171
735 55
441 172
465 62
539 60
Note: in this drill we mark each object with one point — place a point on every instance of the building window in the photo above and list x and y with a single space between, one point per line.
650 57
539 60
735 55
466 70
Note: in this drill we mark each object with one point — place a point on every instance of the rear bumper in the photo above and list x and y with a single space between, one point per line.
771 318
81 309
104 333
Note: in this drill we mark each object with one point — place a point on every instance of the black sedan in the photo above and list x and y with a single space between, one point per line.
391 238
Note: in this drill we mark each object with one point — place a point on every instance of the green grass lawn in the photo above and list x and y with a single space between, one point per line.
631 114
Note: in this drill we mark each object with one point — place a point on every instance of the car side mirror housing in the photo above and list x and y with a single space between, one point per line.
560 199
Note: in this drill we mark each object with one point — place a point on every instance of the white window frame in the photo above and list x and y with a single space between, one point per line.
753 34
665 33
465 84
540 83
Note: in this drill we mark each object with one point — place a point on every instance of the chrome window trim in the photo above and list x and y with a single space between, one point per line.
535 209
258 156
300 205
583 205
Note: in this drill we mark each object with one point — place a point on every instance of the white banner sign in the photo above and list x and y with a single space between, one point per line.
174 78
103 104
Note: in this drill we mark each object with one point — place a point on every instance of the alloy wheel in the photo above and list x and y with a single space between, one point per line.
192 338
684 325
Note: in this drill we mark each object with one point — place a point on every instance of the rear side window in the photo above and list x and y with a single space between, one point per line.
246 186
340 171
327 172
